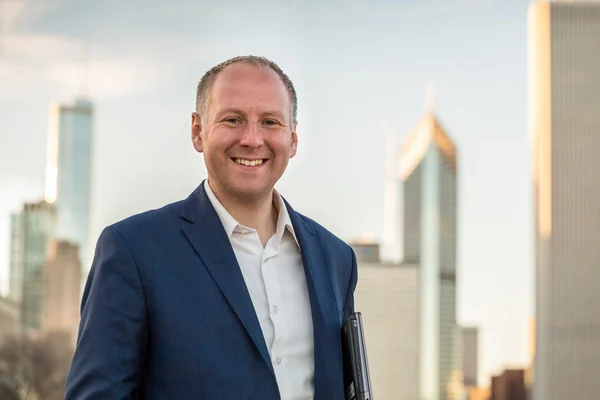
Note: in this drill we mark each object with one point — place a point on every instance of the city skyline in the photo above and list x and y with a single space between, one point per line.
142 81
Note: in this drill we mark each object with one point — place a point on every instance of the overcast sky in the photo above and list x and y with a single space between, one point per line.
360 68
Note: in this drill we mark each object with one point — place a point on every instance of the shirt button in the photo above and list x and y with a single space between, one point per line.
275 309
278 360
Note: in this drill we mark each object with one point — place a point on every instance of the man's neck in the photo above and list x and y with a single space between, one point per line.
259 214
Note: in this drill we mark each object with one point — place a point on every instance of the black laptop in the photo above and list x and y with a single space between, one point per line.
357 381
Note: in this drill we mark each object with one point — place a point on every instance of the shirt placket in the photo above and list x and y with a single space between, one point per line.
268 265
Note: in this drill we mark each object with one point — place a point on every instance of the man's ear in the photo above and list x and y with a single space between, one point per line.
197 132
294 145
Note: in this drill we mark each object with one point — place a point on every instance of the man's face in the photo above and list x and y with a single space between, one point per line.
248 137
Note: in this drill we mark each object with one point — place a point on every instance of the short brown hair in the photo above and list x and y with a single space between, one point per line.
205 84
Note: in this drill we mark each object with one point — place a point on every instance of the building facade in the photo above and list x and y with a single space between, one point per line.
470 339
478 393
428 168
16 256
510 385
366 252
69 171
61 284
387 297
564 95
10 314
32 229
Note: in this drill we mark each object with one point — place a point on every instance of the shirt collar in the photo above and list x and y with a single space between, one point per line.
231 225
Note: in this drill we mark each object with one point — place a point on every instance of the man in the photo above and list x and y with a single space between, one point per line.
229 294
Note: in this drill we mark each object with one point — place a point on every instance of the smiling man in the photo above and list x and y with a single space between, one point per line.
230 293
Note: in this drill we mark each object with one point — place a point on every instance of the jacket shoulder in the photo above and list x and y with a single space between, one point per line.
149 220
330 240
342 264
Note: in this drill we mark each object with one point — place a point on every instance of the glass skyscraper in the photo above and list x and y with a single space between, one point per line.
69 171
31 231
428 169
564 95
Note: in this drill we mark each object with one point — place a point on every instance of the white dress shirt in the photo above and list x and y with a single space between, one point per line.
274 276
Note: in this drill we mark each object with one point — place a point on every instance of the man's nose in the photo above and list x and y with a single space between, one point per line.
251 136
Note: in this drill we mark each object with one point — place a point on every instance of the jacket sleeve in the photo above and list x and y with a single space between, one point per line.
349 302
113 332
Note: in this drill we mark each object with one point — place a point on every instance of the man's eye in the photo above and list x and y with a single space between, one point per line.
271 122
232 120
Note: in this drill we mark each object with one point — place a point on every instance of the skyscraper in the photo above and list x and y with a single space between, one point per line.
61 283
387 297
9 319
16 257
69 171
31 228
510 385
428 169
470 339
564 95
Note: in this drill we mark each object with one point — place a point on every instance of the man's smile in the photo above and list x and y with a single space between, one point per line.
250 162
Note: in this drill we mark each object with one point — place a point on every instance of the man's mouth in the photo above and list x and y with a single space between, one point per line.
249 163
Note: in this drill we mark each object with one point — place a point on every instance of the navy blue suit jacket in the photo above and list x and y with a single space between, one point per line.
166 313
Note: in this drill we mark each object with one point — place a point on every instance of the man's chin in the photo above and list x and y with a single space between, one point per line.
251 193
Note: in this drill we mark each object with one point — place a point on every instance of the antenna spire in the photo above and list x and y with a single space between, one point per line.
84 68
430 98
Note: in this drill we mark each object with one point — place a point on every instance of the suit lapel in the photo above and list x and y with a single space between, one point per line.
323 306
207 235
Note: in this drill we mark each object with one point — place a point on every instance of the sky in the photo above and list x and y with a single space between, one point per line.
361 69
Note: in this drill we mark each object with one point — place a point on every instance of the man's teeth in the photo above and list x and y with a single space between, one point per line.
251 163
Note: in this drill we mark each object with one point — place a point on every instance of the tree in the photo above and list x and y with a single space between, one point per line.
36 367
7 390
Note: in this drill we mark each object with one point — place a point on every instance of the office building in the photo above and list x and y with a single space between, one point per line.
564 96
366 252
530 370
62 282
470 345
428 169
9 318
477 393
69 171
510 385
16 257
387 297
31 230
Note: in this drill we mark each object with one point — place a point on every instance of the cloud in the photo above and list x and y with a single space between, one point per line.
19 14
32 61
29 62
37 47
109 78
24 60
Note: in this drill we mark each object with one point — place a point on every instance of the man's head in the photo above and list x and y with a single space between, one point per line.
245 124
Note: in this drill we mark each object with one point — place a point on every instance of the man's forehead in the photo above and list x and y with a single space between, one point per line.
238 83
244 72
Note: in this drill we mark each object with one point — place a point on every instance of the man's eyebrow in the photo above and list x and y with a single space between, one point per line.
277 114
229 111
237 111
